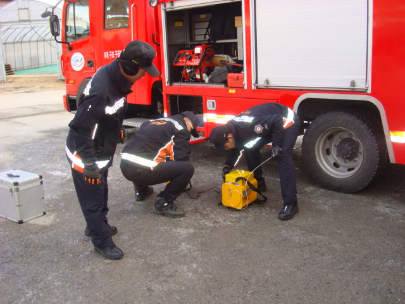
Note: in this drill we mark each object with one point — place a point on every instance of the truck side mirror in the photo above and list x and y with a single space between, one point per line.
54 25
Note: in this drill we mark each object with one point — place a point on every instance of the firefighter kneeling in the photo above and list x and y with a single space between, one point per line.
160 152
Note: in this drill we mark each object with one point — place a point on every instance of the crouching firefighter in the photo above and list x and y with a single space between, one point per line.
251 130
94 134
159 152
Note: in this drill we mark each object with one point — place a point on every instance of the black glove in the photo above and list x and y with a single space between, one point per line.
277 152
91 173
225 170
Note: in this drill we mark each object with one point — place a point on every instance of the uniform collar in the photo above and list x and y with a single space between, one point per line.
122 84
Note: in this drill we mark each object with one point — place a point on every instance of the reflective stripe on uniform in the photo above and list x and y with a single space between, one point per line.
77 163
251 143
138 160
244 118
289 121
117 105
163 152
176 123
94 132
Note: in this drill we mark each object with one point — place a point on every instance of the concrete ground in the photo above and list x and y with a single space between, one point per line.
339 249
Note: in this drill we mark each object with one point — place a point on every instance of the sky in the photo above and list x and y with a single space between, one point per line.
52 2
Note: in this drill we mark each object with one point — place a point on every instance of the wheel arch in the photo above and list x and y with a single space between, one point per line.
309 106
80 90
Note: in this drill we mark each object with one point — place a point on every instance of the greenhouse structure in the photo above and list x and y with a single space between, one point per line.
25 38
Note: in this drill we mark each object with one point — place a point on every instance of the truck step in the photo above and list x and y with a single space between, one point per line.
134 122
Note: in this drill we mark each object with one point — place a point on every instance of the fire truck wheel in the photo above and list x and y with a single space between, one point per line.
341 151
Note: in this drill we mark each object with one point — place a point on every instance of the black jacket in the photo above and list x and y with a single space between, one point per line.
263 122
157 140
95 129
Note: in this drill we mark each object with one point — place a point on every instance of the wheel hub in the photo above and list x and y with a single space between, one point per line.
347 149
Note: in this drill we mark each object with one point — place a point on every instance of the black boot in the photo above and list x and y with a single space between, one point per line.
113 230
261 185
288 212
141 195
111 252
169 209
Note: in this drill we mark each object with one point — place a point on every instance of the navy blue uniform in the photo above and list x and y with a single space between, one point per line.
262 124
157 153
93 137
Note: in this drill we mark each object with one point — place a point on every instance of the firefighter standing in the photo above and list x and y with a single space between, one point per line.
94 134
159 152
252 129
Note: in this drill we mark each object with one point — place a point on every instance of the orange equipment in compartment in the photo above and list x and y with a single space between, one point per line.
235 80
196 62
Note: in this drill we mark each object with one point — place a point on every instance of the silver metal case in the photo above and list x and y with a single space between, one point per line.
21 195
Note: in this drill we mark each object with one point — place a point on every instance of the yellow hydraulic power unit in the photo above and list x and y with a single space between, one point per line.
236 192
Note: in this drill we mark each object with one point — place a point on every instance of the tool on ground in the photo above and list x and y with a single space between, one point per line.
240 190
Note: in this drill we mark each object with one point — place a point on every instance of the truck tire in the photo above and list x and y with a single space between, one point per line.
341 151
375 123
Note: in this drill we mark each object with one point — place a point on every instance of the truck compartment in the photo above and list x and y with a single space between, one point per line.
202 41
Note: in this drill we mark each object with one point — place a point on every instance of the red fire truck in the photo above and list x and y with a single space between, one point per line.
339 64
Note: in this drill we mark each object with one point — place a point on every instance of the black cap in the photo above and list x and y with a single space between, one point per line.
141 54
194 120
218 137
